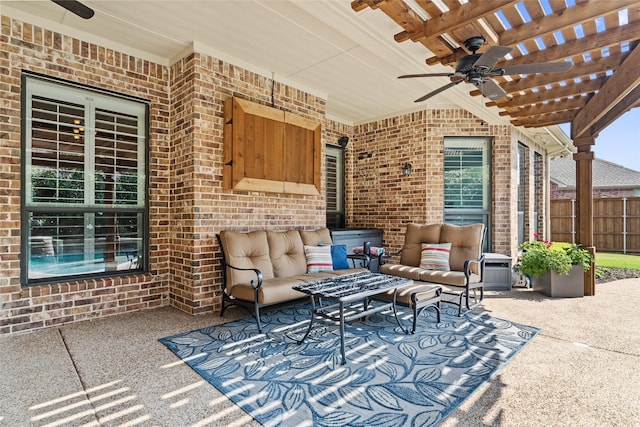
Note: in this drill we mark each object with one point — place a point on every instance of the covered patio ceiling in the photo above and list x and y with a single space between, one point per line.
352 53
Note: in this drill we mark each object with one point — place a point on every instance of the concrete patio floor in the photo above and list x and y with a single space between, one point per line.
582 370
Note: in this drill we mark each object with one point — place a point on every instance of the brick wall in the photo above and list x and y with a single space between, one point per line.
186 201
28 47
200 207
383 198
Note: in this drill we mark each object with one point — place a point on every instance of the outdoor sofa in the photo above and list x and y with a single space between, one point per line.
260 268
444 254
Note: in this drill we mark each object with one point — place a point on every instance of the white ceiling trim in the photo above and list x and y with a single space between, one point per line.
208 50
58 27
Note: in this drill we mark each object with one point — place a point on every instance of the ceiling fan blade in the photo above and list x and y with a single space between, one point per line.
437 91
540 67
491 90
76 7
492 56
410 76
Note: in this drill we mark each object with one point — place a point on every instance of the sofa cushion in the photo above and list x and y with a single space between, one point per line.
287 253
403 297
318 258
399 270
435 256
273 290
246 250
415 236
321 236
466 243
453 278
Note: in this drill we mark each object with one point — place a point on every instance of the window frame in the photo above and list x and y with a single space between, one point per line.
462 212
340 214
46 86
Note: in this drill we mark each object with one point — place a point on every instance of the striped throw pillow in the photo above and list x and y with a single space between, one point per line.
435 256
318 258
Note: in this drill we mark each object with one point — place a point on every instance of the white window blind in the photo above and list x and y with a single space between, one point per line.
334 170
85 182
467 184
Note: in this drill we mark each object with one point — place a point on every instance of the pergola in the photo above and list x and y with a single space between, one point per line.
600 38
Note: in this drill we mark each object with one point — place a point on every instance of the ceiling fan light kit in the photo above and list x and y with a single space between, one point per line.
478 69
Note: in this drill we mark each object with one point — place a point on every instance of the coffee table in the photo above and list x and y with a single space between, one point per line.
345 292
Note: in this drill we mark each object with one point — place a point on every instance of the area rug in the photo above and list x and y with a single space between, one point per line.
390 379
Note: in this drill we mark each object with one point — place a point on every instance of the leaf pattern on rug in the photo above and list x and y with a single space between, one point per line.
390 379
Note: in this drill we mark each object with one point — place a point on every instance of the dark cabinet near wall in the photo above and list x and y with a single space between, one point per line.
354 237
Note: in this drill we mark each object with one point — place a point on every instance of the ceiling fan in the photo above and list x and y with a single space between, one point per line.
477 68
76 7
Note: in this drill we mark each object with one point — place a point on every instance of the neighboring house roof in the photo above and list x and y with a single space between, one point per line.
562 172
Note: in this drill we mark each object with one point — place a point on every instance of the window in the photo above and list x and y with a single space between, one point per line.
84 182
467 172
523 193
334 169
539 181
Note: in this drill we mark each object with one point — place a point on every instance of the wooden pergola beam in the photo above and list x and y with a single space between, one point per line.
582 69
632 100
573 89
545 119
597 41
547 108
549 24
613 91
464 15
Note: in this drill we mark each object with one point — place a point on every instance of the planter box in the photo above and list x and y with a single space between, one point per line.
561 286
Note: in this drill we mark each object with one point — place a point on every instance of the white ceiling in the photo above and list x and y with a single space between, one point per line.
321 46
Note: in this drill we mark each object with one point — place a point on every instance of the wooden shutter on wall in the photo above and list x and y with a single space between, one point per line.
266 149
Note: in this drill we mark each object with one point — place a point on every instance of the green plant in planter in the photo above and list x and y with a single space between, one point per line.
541 256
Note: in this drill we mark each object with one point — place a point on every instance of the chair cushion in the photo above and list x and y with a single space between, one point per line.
435 256
246 250
400 270
273 290
403 296
415 236
287 253
318 258
466 243
321 236
453 278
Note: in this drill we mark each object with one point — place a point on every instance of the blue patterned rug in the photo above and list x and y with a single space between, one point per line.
390 379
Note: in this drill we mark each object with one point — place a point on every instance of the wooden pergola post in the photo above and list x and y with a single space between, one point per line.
584 204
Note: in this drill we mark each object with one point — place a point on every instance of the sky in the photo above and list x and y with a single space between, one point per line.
620 141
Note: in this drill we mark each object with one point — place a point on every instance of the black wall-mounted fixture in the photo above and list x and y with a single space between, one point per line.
406 169
343 141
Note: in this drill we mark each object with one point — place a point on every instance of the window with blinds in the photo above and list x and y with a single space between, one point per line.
84 182
523 191
334 171
467 190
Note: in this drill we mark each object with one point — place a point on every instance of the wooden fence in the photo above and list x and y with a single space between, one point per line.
616 223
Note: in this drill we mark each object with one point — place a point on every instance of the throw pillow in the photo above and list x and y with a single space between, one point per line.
435 256
318 258
339 257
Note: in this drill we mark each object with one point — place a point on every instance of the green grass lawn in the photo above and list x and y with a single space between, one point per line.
617 260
